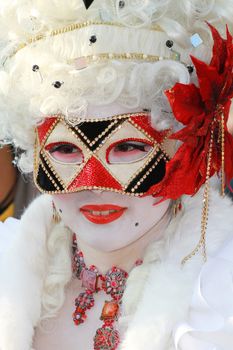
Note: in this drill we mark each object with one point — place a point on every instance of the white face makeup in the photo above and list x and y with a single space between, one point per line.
107 220
86 213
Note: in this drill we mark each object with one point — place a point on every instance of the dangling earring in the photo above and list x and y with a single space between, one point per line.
177 207
56 216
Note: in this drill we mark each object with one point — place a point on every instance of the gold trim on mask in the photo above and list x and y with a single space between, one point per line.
98 137
148 172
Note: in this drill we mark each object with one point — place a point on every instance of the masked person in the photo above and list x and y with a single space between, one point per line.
130 246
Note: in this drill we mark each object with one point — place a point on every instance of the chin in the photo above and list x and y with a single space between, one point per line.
107 237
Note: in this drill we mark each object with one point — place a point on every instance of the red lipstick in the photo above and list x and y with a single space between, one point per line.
102 213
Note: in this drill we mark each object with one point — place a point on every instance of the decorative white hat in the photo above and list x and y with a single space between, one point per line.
62 57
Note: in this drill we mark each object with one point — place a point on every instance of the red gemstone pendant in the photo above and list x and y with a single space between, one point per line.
106 339
89 279
110 310
114 282
84 302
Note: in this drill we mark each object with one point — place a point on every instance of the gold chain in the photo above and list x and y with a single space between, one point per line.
222 129
120 56
205 208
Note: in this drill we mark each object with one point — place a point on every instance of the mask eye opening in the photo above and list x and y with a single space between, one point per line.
128 151
65 152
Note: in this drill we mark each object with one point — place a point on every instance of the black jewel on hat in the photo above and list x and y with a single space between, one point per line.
88 3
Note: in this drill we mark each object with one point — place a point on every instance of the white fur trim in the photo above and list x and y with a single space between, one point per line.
22 275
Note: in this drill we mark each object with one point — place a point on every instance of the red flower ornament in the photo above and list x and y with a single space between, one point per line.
207 145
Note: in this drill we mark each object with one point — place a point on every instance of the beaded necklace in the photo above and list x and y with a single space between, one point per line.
112 283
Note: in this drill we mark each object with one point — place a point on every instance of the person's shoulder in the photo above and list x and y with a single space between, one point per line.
9 230
211 310
35 221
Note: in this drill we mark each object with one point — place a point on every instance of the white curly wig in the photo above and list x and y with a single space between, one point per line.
130 26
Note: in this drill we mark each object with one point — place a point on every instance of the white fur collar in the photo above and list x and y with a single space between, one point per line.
158 292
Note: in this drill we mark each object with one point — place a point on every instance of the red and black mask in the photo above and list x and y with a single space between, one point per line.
122 153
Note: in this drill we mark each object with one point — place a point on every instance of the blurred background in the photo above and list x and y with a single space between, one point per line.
16 190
